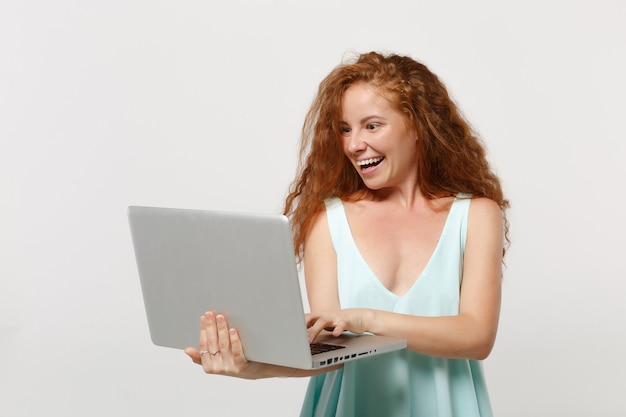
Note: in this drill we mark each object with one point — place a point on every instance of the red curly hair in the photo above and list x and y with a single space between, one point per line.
451 158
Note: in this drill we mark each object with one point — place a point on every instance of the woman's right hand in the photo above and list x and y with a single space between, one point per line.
220 349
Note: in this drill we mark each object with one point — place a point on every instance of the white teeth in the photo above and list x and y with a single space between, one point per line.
369 161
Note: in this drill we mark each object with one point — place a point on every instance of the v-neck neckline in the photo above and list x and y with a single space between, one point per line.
421 275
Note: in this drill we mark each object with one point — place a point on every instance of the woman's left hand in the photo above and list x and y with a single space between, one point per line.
352 319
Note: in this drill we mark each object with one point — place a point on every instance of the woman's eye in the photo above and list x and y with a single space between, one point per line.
344 129
372 126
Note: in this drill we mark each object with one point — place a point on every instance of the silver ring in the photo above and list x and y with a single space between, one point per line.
202 352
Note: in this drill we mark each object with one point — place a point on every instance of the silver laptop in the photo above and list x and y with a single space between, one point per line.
241 265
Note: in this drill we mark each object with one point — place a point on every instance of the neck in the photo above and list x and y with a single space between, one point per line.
408 197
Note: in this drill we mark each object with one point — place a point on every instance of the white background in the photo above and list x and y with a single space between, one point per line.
199 104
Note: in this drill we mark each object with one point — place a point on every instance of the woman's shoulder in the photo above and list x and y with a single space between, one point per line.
484 215
332 202
485 206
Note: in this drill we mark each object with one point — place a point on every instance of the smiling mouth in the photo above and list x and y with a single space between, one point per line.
369 163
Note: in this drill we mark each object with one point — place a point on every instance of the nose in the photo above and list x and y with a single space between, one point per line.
356 142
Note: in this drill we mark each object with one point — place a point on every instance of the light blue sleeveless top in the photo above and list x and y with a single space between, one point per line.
403 383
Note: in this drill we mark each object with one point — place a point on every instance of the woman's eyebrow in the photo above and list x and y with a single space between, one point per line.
374 116
365 119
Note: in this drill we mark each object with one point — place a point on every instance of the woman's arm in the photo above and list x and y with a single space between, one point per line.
471 334
320 267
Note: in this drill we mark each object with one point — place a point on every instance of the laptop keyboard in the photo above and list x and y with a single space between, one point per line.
323 347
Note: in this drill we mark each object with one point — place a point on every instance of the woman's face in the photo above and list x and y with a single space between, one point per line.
377 140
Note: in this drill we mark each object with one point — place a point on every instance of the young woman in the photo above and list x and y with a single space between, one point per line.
401 226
